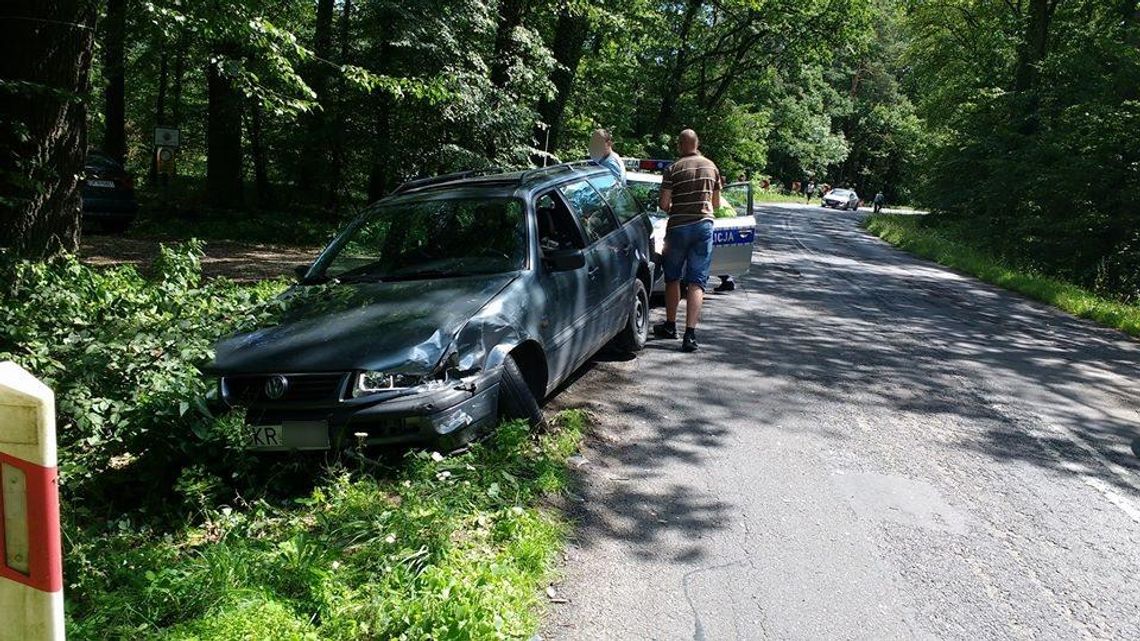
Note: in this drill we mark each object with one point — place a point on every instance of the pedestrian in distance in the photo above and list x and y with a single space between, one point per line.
880 200
690 194
602 152
809 191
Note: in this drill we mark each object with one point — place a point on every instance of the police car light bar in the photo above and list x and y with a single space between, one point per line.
647 164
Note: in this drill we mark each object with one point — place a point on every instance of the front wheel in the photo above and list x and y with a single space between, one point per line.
632 337
516 400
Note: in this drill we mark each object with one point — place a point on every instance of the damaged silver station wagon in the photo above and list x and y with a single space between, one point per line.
452 303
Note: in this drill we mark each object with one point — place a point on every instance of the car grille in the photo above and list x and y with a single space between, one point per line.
302 388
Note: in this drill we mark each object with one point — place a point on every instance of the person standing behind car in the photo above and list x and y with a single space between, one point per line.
602 152
690 194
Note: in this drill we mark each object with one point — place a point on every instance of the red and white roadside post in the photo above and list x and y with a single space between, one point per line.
31 563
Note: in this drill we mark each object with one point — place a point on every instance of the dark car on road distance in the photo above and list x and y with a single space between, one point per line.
108 193
455 302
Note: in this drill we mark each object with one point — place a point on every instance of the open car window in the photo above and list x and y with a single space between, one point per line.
739 197
557 229
624 206
430 239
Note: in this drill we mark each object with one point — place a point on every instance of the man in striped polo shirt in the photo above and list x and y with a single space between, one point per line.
690 193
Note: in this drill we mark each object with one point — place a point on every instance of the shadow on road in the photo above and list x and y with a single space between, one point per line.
831 316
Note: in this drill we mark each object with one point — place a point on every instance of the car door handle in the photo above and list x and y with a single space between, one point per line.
593 271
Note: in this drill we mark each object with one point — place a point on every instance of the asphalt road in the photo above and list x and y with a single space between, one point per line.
869 446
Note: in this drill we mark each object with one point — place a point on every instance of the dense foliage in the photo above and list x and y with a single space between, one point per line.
171 530
121 352
1033 108
341 100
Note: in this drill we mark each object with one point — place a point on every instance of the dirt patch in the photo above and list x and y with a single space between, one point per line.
238 261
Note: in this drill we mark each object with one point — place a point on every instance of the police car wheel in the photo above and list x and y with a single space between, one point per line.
632 337
516 400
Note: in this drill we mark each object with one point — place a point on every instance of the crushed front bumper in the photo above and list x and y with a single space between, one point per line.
449 415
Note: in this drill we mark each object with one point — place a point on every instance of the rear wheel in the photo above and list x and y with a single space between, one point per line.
632 337
516 400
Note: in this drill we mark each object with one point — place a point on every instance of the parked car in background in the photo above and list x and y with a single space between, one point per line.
733 236
108 193
841 199
455 302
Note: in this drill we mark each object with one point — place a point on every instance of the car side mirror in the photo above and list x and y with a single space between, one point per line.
565 260
300 271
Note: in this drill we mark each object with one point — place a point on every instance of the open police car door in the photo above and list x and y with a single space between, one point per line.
733 236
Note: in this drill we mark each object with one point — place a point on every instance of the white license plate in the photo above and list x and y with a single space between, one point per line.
290 435
108 184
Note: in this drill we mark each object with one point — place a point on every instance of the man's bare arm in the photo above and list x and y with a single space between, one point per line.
716 198
666 200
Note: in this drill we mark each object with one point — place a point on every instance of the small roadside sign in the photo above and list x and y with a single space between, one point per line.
166 137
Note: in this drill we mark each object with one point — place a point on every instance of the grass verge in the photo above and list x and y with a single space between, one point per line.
909 233
430 548
761 196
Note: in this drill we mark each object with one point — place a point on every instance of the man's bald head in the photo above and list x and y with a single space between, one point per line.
688 141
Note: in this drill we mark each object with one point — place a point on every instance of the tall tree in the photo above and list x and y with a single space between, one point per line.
313 165
114 71
47 55
223 131
570 32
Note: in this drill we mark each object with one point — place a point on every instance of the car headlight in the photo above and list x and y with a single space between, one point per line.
370 382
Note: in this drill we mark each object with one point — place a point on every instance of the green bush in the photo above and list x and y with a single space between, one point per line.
171 531
120 350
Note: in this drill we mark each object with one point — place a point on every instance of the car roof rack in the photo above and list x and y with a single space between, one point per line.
445 178
419 183
553 169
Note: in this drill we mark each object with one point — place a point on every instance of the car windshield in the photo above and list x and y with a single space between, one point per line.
434 238
843 193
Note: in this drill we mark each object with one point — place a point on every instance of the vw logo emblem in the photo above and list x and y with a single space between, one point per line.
276 386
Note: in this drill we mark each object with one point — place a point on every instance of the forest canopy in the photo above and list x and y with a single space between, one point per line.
1012 120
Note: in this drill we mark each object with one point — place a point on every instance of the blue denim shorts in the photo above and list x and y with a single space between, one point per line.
688 253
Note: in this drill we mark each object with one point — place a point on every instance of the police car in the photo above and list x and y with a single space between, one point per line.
732 237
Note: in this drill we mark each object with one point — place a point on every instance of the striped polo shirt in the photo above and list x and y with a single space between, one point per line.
691 181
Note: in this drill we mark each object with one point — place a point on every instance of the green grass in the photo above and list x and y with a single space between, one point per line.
761 196
428 547
909 233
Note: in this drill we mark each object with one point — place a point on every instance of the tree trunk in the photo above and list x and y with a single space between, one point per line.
569 39
179 74
378 173
511 13
1034 44
223 136
114 94
160 101
262 191
338 160
43 126
313 165
672 89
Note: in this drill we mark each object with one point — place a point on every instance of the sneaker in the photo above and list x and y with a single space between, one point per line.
725 286
665 329
690 343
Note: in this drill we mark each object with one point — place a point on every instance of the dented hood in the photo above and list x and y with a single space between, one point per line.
397 327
